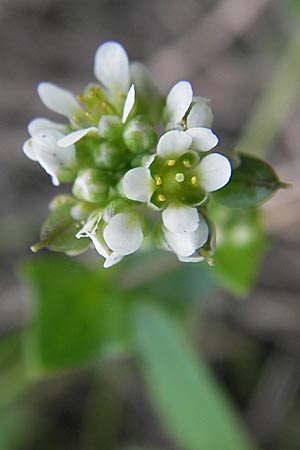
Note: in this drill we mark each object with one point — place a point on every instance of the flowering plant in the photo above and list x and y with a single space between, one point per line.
141 165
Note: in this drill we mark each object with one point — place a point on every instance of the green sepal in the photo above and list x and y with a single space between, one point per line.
110 128
251 184
58 232
109 156
91 185
139 135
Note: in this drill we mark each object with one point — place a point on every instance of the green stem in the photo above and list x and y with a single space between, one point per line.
273 108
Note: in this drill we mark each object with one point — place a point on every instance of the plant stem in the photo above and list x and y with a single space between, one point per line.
273 108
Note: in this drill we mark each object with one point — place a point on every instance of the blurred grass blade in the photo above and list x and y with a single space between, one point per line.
192 406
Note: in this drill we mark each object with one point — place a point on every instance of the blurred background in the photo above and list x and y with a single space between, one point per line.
244 55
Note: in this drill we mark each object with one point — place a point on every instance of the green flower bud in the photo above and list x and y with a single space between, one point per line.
139 135
62 199
91 185
109 156
82 210
110 127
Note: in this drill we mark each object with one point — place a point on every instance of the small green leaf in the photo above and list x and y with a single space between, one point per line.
241 244
252 183
58 232
192 406
77 315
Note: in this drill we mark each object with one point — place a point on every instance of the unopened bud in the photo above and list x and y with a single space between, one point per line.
91 185
139 135
110 127
109 156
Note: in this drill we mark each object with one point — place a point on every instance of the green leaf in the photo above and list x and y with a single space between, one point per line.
252 183
77 315
58 232
241 244
193 408
295 6
161 277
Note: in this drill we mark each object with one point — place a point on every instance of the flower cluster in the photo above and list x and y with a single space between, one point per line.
130 180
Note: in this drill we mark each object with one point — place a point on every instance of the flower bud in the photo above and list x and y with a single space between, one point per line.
139 135
109 156
110 127
91 185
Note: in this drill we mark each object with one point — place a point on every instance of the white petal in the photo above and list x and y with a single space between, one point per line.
178 101
29 150
40 124
112 259
185 244
100 246
91 225
74 137
173 144
201 115
124 234
180 243
191 259
203 139
138 184
129 102
51 157
180 219
58 99
55 180
112 67
214 171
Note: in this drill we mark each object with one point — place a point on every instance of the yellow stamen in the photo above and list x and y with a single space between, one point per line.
186 163
80 97
171 162
194 180
161 198
158 181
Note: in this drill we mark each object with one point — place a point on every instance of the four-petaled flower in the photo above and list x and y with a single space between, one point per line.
178 178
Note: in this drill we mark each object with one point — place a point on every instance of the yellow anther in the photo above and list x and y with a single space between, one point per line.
161 198
158 181
171 162
76 118
179 177
80 97
88 114
194 180
121 94
186 163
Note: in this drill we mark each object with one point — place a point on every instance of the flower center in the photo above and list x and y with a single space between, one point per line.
176 181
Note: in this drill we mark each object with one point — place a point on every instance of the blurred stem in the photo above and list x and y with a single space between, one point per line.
275 105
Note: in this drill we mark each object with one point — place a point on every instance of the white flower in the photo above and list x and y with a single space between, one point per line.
186 245
121 236
179 100
112 70
59 163
177 179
